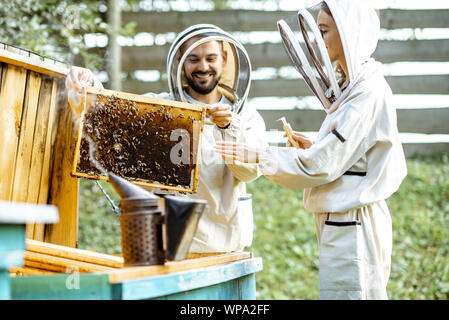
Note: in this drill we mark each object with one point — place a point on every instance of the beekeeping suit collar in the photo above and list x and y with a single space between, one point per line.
236 77
359 28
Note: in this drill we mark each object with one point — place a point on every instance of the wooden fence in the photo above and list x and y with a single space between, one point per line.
272 55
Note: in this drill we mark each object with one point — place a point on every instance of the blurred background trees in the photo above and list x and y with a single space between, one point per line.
57 29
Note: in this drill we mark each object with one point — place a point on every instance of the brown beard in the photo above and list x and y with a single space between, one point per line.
202 90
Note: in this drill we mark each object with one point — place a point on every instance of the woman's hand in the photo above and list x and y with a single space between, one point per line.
238 151
304 141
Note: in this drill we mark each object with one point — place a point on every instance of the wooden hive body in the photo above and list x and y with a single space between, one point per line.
37 141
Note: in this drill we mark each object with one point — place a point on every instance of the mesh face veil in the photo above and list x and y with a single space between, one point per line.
235 79
309 55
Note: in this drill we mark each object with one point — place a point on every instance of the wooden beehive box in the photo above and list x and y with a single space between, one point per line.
37 140
151 142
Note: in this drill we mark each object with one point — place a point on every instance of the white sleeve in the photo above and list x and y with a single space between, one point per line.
97 83
348 139
249 128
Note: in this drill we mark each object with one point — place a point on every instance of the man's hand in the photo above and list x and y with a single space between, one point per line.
304 141
76 79
79 77
220 115
238 151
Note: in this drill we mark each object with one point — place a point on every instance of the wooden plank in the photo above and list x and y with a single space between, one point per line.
145 99
273 55
64 187
19 271
196 255
184 282
428 120
135 58
419 84
190 255
12 92
24 151
39 142
45 266
44 185
422 84
80 266
413 84
74 254
121 275
35 63
434 50
425 149
300 120
424 18
2 65
256 20
409 120
142 87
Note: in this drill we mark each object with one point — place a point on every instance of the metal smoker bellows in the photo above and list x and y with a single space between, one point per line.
141 223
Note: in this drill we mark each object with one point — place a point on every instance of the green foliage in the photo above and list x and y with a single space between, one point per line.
286 240
99 226
56 29
420 210
190 5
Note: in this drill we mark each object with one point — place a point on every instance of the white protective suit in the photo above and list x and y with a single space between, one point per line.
356 162
227 225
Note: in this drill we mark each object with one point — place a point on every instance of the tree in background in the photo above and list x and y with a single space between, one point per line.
56 29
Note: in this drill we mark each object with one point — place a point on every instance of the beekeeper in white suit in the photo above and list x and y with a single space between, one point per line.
207 66
357 160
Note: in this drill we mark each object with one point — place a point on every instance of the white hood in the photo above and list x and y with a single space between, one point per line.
357 158
359 28
236 78
359 16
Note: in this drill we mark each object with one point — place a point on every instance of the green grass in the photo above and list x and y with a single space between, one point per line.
286 240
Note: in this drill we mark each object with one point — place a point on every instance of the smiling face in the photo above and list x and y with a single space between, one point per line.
331 37
204 65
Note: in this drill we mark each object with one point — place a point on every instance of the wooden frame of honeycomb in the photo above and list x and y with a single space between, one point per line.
151 142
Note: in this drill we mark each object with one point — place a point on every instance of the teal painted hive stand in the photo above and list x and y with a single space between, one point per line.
13 219
87 275
99 276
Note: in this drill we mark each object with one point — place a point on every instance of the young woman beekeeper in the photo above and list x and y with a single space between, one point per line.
357 160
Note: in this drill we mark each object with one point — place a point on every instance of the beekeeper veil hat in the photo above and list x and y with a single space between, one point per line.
235 80
359 28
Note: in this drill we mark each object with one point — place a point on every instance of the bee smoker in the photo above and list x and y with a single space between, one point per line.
145 241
